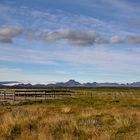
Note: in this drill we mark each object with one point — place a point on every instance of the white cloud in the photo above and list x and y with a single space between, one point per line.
76 37
7 33
86 37
133 39
101 57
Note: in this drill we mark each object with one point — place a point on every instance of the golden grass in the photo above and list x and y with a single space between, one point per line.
97 117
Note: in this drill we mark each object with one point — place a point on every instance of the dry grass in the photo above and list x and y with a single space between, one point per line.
97 117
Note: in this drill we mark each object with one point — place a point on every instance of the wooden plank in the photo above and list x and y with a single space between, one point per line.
7 95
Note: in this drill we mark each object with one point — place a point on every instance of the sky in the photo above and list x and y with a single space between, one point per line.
47 41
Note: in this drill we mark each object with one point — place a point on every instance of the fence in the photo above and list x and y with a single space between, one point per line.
8 95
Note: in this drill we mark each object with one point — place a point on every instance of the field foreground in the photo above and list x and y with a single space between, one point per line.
90 114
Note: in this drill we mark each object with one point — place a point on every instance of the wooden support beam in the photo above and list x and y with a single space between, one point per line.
35 96
14 96
4 93
25 95
45 95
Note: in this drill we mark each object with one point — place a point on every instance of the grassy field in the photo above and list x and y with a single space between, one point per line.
90 114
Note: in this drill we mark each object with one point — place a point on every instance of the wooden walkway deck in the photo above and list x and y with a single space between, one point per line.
8 95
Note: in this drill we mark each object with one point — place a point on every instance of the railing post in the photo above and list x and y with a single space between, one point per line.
14 96
25 95
4 94
45 95
35 96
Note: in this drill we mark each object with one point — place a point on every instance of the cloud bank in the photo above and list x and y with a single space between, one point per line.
133 39
8 33
74 37
86 38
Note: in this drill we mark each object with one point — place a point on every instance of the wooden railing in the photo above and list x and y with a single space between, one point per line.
7 95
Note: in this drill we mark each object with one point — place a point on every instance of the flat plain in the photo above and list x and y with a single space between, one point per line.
89 114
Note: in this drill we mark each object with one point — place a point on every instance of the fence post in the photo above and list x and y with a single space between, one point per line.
45 95
35 96
14 96
25 95
4 94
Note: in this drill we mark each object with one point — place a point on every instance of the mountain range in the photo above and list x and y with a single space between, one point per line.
71 83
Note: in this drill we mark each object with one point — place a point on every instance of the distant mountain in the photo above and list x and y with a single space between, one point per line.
24 85
73 83
94 84
135 84
70 83
9 83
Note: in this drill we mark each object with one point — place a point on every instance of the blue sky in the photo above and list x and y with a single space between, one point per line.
87 40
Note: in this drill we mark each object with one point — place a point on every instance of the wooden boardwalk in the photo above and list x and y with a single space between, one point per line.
13 95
